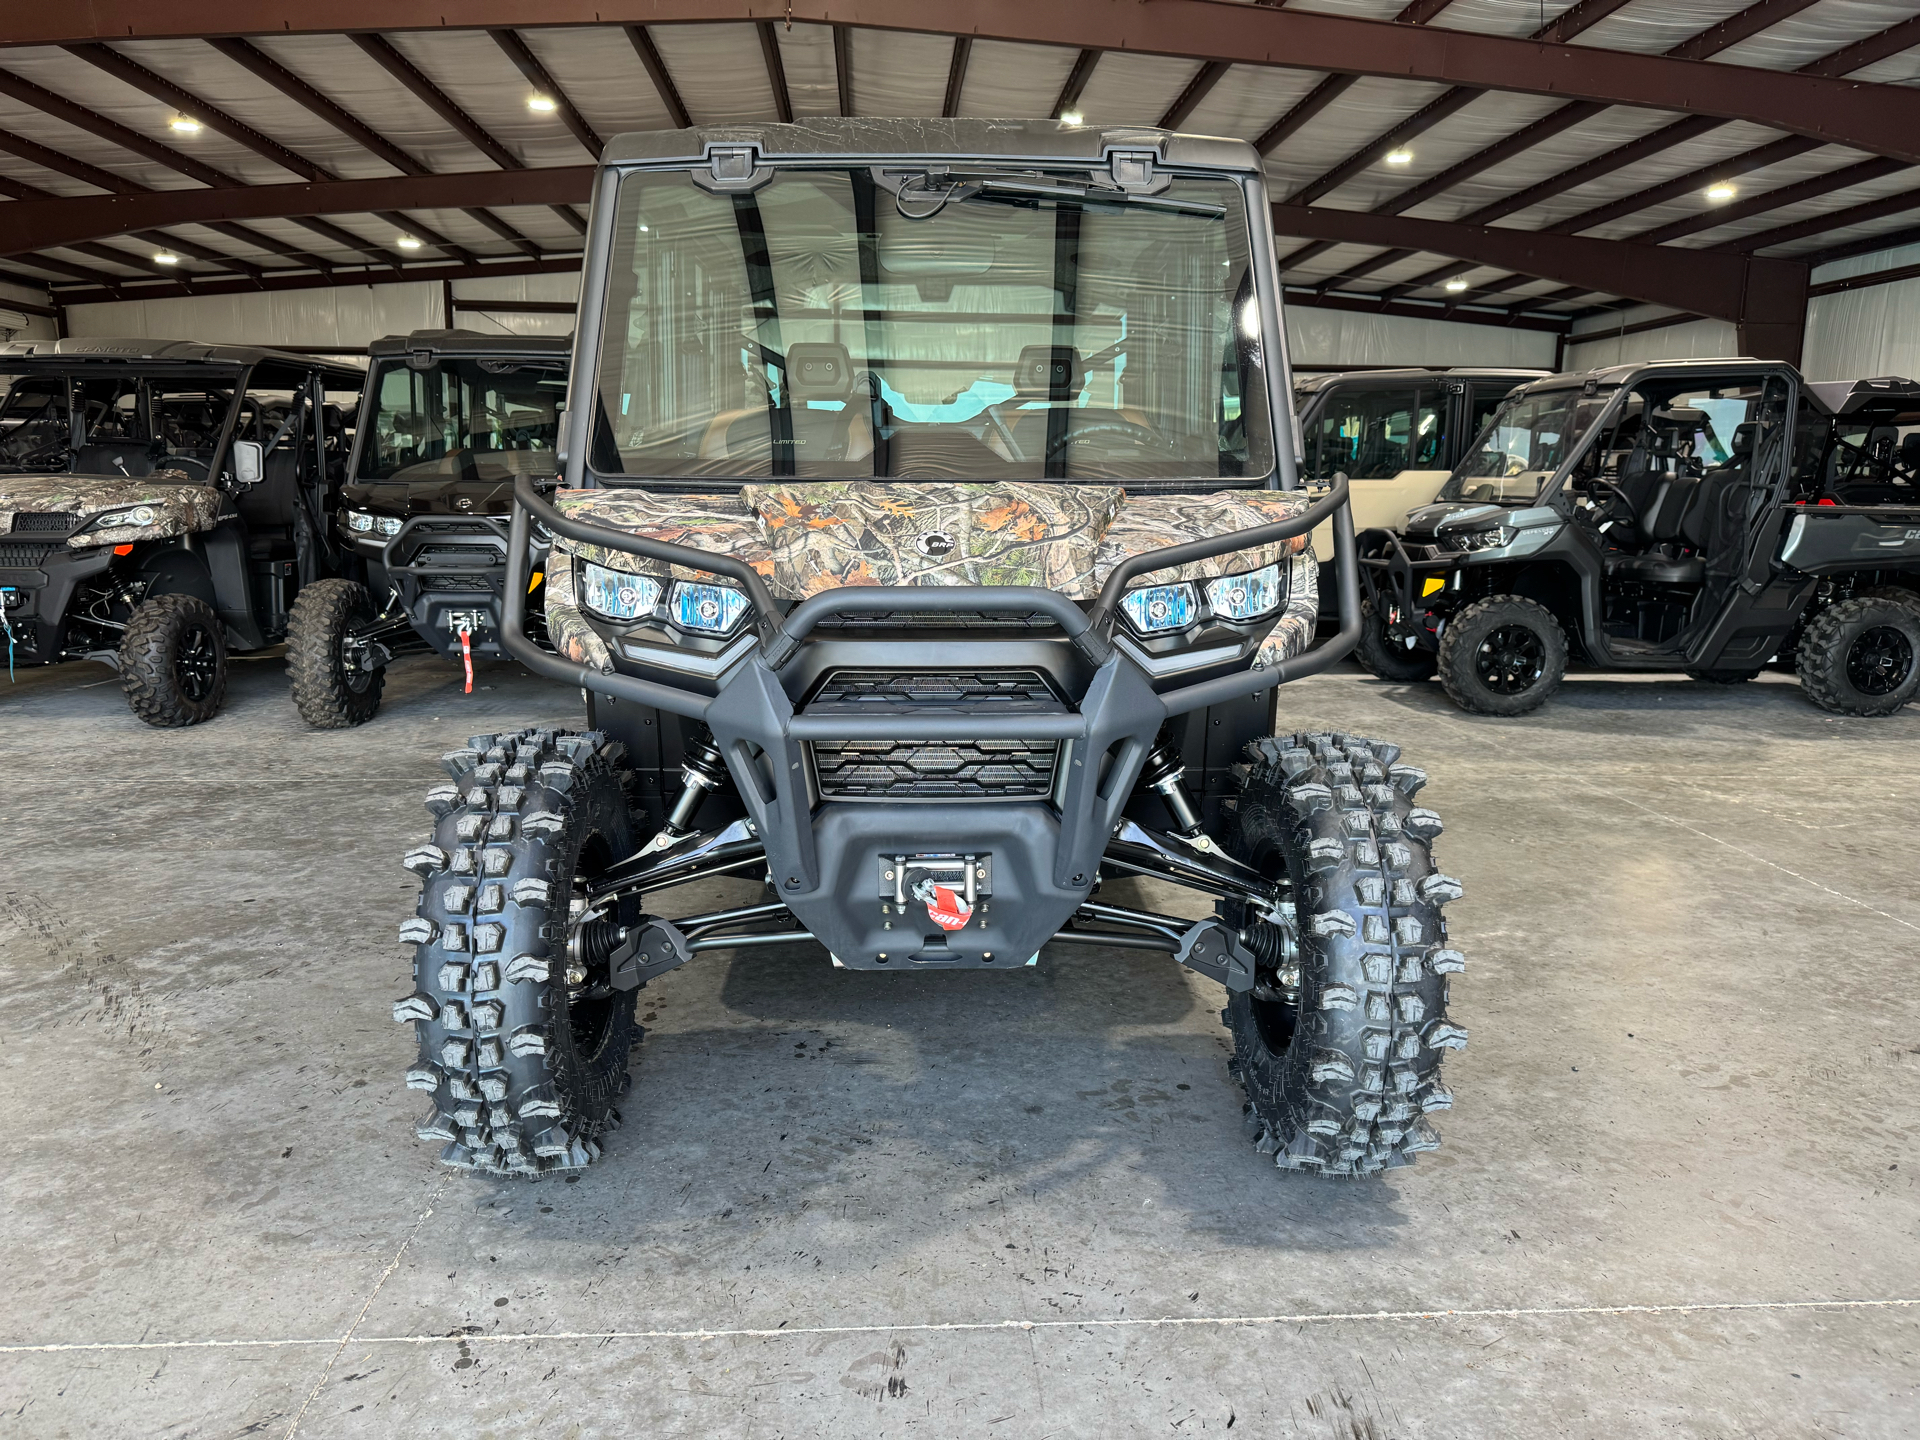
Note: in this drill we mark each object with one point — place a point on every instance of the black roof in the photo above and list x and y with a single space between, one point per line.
25 355
1416 372
473 342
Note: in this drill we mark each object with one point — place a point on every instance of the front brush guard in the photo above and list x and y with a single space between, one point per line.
1106 739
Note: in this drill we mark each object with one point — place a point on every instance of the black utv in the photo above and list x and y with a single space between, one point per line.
449 421
1704 516
929 549
162 502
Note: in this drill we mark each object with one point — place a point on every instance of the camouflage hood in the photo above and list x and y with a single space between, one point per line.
49 504
807 538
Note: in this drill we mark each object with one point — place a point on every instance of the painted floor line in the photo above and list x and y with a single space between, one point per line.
722 1333
1738 850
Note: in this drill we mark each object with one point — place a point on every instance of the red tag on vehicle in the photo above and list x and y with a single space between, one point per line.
949 911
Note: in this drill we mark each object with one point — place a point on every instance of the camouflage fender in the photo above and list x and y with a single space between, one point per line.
723 524
567 628
180 506
867 533
1154 522
1294 630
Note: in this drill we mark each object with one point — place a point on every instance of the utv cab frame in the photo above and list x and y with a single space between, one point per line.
929 550
1708 516
449 421
162 502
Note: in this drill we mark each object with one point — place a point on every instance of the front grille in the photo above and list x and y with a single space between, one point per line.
922 619
477 554
898 770
23 557
455 582
452 527
55 520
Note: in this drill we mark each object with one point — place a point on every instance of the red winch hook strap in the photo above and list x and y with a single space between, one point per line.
467 658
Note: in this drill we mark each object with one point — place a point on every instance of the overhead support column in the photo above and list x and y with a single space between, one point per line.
1774 310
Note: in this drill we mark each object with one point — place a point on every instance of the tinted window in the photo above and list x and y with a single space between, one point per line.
1377 434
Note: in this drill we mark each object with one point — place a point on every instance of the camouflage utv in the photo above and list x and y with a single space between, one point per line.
449 419
160 503
928 550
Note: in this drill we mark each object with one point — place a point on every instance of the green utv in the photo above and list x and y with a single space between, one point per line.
161 503
1706 516
450 419
929 551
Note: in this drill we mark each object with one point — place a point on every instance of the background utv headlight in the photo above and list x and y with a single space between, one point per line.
617 594
1491 539
1242 597
1161 607
359 520
713 608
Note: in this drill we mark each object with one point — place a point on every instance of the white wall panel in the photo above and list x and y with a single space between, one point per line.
1696 339
348 315
1339 337
1861 333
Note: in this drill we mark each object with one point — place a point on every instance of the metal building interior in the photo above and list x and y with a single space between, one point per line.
1678 1193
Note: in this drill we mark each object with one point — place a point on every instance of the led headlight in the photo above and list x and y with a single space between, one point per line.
359 520
1242 597
389 524
1491 539
715 608
139 515
1161 607
617 594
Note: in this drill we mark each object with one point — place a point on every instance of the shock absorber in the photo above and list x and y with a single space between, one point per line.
1162 772
701 771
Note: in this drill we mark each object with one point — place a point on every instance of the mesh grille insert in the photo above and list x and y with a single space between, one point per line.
54 520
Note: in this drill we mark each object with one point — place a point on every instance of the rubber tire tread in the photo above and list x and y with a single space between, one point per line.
579 779
1462 639
1389 662
1820 660
321 614
147 651
1373 1003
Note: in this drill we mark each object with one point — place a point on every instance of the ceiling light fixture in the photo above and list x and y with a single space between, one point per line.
165 257
1457 285
407 242
1070 117
1719 191
1398 157
185 124
544 104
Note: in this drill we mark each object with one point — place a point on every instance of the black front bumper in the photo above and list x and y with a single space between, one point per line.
37 582
824 855
448 572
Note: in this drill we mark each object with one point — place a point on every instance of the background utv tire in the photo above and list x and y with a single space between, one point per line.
523 1050
328 694
1340 1079
1859 657
173 661
1380 655
1502 655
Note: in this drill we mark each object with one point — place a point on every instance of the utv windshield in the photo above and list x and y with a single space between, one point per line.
114 424
465 419
850 323
1524 444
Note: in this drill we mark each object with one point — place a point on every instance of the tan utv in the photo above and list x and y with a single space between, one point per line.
930 547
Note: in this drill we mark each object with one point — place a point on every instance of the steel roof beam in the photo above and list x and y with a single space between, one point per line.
263 67
843 68
379 50
957 75
1902 204
47 159
123 290
536 75
656 69
776 72
1078 75
1877 118
1193 93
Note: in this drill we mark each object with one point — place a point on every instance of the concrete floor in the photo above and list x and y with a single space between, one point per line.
1677 1195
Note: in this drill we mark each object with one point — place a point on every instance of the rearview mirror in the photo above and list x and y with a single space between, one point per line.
249 462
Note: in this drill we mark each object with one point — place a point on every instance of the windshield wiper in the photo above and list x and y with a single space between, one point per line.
942 188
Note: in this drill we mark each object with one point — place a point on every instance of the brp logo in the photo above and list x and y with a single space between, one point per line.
934 544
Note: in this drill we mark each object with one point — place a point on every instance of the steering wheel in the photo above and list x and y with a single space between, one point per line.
1138 436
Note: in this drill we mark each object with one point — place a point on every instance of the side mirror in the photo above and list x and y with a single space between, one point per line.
249 462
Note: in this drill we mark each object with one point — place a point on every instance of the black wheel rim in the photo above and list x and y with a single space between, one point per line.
1511 659
196 665
355 674
591 997
1880 660
1274 1021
